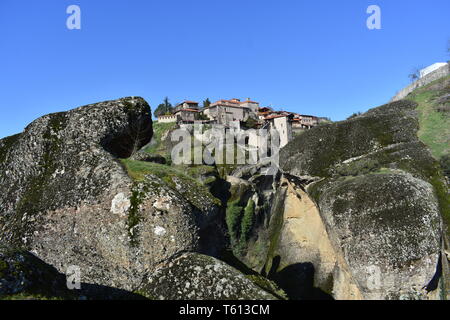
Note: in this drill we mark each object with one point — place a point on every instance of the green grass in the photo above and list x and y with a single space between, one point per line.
435 133
191 190
29 296
434 125
159 130
137 170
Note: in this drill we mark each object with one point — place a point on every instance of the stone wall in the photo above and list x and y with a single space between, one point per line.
439 73
167 119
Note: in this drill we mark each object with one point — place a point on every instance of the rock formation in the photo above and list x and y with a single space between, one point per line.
66 198
355 211
199 277
378 191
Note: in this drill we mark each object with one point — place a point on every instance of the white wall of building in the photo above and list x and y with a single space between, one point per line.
283 126
167 119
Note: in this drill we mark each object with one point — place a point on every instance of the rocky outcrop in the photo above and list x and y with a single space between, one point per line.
25 276
354 213
199 277
379 194
66 197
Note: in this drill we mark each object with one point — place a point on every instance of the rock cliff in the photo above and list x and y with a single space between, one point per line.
381 197
67 198
355 212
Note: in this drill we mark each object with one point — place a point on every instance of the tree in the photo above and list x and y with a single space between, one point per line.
354 115
206 103
414 75
202 116
163 108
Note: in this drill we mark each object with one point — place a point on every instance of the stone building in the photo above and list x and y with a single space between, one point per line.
186 115
227 112
300 121
187 105
281 123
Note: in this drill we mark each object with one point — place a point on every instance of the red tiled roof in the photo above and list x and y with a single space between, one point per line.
188 102
232 101
224 100
189 110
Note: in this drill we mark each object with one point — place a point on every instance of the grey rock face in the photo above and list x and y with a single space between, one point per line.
199 277
62 159
23 273
388 229
376 186
66 197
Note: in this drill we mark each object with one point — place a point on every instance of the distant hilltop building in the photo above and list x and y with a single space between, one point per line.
426 76
233 113
228 111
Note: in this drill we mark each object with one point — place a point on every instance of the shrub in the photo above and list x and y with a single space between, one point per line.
354 115
247 220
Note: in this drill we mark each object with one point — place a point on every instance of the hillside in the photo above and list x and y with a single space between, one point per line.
434 115
159 140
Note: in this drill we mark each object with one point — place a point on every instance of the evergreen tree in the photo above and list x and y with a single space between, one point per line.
206 103
163 108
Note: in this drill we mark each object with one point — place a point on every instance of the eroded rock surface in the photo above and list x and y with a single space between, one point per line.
377 189
66 197
199 277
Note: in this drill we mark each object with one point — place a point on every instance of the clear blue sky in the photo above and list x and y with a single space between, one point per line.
309 56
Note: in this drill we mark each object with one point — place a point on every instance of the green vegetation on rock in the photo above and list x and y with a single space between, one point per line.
239 217
247 220
434 115
160 134
187 186
445 164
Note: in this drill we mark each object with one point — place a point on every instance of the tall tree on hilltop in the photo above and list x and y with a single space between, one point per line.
415 74
206 103
163 108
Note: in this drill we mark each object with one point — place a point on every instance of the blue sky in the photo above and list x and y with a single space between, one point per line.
308 56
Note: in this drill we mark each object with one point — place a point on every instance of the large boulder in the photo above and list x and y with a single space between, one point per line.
380 196
66 197
198 277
